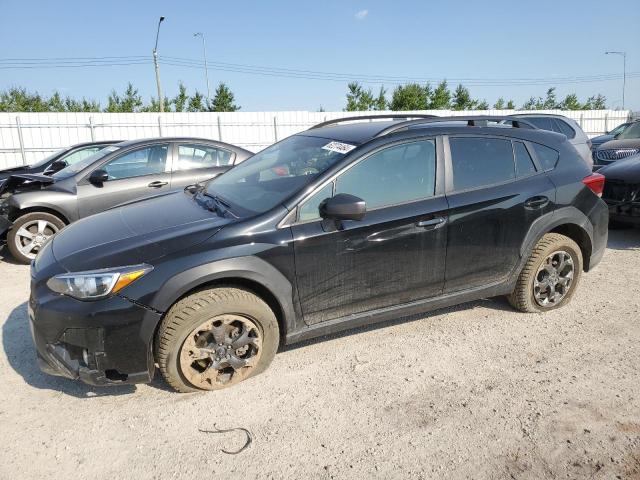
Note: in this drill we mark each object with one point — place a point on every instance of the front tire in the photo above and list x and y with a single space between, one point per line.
216 338
30 232
550 277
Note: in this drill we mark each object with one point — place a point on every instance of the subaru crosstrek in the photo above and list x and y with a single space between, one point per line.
342 225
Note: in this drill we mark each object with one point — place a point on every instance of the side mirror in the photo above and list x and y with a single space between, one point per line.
99 176
55 167
343 207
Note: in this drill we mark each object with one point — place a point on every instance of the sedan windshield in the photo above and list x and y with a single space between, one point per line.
84 163
632 131
47 158
274 174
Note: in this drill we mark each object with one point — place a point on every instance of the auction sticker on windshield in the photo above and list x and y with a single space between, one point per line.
339 147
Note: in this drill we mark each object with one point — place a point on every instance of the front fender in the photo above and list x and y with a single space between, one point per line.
249 268
64 204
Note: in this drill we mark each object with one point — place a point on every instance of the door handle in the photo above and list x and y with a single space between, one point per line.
157 184
432 223
536 202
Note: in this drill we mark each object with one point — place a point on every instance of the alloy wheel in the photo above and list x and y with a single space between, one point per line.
553 279
221 351
33 235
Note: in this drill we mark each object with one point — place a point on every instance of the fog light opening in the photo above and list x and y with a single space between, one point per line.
85 356
115 375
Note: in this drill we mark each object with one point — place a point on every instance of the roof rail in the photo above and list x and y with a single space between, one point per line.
392 116
472 121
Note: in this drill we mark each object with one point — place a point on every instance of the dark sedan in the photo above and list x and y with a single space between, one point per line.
39 206
58 160
625 144
622 191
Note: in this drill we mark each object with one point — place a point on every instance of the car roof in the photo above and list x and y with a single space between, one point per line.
363 132
97 142
141 141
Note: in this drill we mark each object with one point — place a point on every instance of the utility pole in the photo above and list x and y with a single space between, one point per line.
206 68
624 71
155 62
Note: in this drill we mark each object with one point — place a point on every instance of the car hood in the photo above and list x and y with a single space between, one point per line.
624 143
136 233
25 181
7 172
601 139
627 170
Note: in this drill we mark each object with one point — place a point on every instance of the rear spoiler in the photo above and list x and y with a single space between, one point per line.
25 178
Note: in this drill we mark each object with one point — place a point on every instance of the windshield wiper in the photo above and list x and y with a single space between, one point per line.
216 204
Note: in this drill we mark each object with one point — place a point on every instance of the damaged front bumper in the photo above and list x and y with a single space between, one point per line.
103 342
5 225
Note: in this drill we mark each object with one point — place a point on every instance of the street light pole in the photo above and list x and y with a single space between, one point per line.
624 71
155 62
206 68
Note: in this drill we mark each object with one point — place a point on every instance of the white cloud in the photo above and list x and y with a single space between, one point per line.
361 15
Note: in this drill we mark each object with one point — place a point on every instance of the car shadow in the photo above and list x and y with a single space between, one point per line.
624 239
495 303
21 354
5 256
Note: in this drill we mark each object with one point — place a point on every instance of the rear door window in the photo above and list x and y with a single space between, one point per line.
524 163
479 162
194 156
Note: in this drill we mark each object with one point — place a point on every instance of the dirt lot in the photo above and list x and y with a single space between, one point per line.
476 391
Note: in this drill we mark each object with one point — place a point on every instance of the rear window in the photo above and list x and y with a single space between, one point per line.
478 162
547 157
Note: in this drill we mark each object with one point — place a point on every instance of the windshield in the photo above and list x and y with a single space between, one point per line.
46 159
84 163
274 174
632 131
619 129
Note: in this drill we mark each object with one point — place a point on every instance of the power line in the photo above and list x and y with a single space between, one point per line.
114 61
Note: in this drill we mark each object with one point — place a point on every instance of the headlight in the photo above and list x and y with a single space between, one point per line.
96 284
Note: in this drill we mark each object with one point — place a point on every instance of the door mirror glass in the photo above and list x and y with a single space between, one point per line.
98 177
343 207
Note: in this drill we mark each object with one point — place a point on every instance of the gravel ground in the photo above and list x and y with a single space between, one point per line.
476 391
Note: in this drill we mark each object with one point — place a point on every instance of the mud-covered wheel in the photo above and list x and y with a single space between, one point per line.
216 338
30 232
550 277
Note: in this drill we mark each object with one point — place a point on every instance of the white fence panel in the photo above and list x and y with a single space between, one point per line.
27 137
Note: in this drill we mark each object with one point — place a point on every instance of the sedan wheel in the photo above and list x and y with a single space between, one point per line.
30 233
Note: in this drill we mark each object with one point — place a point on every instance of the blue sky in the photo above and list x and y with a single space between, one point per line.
423 39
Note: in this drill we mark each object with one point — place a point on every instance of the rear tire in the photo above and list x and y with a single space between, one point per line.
29 233
550 277
216 338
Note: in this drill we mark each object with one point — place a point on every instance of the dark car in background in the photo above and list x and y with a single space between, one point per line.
58 160
610 135
622 191
625 144
38 206
339 226
564 125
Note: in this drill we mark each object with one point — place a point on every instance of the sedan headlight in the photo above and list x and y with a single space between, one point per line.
96 284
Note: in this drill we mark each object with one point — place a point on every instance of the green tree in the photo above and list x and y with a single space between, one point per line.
595 102
409 97
550 101
381 102
570 102
482 105
499 105
180 100
359 99
462 99
223 100
18 99
154 106
511 105
130 101
196 103
441 99
533 104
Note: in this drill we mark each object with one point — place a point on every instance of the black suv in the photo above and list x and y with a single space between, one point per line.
342 225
